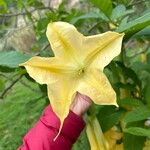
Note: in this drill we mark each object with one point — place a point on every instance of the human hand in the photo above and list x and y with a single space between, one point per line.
80 104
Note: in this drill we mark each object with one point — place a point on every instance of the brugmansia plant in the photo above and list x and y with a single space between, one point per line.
77 66
95 135
100 141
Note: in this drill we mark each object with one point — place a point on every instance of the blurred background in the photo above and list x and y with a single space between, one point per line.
22 35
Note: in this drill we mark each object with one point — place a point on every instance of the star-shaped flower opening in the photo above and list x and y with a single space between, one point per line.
77 66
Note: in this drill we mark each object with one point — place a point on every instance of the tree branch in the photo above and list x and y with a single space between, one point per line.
43 48
24 13
28 86
94 26
10 86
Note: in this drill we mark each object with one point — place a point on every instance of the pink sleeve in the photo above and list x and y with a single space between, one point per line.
41 136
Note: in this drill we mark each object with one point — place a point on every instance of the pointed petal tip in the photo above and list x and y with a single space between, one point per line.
60 128
22 64
25 63
49 28
116 104
54 23
115 100
57 23
122 34
50 23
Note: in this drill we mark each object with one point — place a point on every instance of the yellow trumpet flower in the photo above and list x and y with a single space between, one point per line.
147 145
112 136
100 141
95 135
77 66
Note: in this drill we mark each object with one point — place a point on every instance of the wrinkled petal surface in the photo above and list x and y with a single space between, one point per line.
96 85
46 70
102 48
65 40
61 94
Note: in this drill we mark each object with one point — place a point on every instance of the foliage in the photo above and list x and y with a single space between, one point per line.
22 100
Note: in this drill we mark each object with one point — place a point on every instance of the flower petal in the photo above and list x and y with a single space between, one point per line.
46 70
61 94
96 85
95 135
65 40
102 48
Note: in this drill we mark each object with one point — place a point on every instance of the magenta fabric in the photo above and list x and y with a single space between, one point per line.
41 136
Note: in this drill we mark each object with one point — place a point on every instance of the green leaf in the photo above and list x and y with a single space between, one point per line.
128 86
2 85
90 15
42 24
117 11
120 11
3 7
146 91
128 73
108 117
132 142
6 69
43 89
34 3
138 67
148 57
138 131
104 6
123 22
132 27
138 114
12 59
145 32
129 102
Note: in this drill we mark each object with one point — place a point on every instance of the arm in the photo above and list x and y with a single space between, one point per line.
41 136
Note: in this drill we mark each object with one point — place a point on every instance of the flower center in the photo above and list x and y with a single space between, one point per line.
81 71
